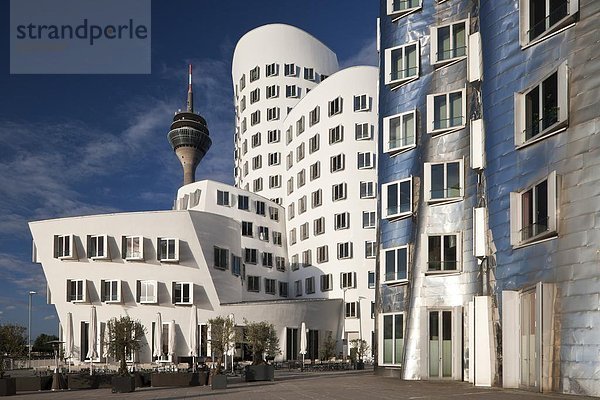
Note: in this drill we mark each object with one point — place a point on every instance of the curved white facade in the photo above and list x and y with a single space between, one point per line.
288 63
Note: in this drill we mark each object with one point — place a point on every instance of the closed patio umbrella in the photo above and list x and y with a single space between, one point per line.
303 342
172 340
158 337
92 337
231 342
69 342
193 344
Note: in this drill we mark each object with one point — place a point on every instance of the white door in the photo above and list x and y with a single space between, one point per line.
528 342
440 344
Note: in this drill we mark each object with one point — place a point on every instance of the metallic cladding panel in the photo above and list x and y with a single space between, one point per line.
426 291
572 260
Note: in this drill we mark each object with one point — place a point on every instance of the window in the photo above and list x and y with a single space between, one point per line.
292 91
223 198
270 286
307 257
394 266
326 282
300 152
309 285
274 213
341 221
272 114
336 135
543 109
250 256
534 211
301 204
370 249
298 288
273 136
267 259
443 253
257 185
316 198
76 290
309 74
272 92
315 170
335 106
253 283
361 103
289 69
183 293
110 291
221 258
398 8
263 233
290 185
397 199
344 250
247 229
449 42
244 128
300 126
257 162
245 170
243 202
399 132
371 279
369 220
367 190
295 264
539 19
348 280
362 131
254 96
236 265
133 248
443 181
338 191
393 338
322 254
242 82
64 247
314 116
304 231
255 118
290 160
274 158
243 104
291 208
402 64
271 69
289 135
280 264
254 74
366 160
147 292
245 147
293 236
446 111
168 249
337 162
277 238
274 181
260 207
283 289
97 247
351 309
313 143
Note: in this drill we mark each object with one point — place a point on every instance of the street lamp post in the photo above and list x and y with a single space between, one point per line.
31 293
344 344
360 318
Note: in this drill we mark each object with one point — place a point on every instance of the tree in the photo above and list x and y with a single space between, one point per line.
222 332
13 343
124 336
329 347
262 339
360 347
41 344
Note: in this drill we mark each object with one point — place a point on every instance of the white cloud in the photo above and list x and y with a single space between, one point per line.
49 317
366 55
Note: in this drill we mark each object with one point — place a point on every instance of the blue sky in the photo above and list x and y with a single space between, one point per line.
90 144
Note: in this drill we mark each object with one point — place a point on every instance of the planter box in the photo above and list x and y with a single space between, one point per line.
176 379
142 379
218 381
263 372
123 384
33 383
75 382
8 386
360 365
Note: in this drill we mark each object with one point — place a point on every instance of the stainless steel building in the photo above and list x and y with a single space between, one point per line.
489 266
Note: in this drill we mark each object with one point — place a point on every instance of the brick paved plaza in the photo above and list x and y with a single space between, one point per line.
340 386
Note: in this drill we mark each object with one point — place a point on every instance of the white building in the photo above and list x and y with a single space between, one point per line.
306 255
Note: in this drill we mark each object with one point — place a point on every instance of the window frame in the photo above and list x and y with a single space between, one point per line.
387 121
458 261
433 30
383 265
60 244
400 81
326 282
144 299
344 250
427 182
133 256
431 129
335 106
253 283
181 300
80 295
564 23
396 14
159 251
362 98
105 254
394 351
220 254
384 200
110 284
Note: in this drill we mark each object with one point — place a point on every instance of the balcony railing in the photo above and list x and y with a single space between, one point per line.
401 5
401 142
543 25
549 118
445 193
398 209
452 53
448 265
534 229
403 73
448 122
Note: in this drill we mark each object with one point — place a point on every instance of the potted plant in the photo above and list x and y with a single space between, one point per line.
329 347
12 344
263 342
358 349
124 336
222 333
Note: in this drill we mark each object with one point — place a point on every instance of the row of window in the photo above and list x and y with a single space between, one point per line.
224 198
271 70
364 160
132 248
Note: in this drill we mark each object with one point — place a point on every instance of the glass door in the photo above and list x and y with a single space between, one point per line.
440 344
528 340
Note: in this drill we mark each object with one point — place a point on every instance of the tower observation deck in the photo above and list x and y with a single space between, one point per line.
188 136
